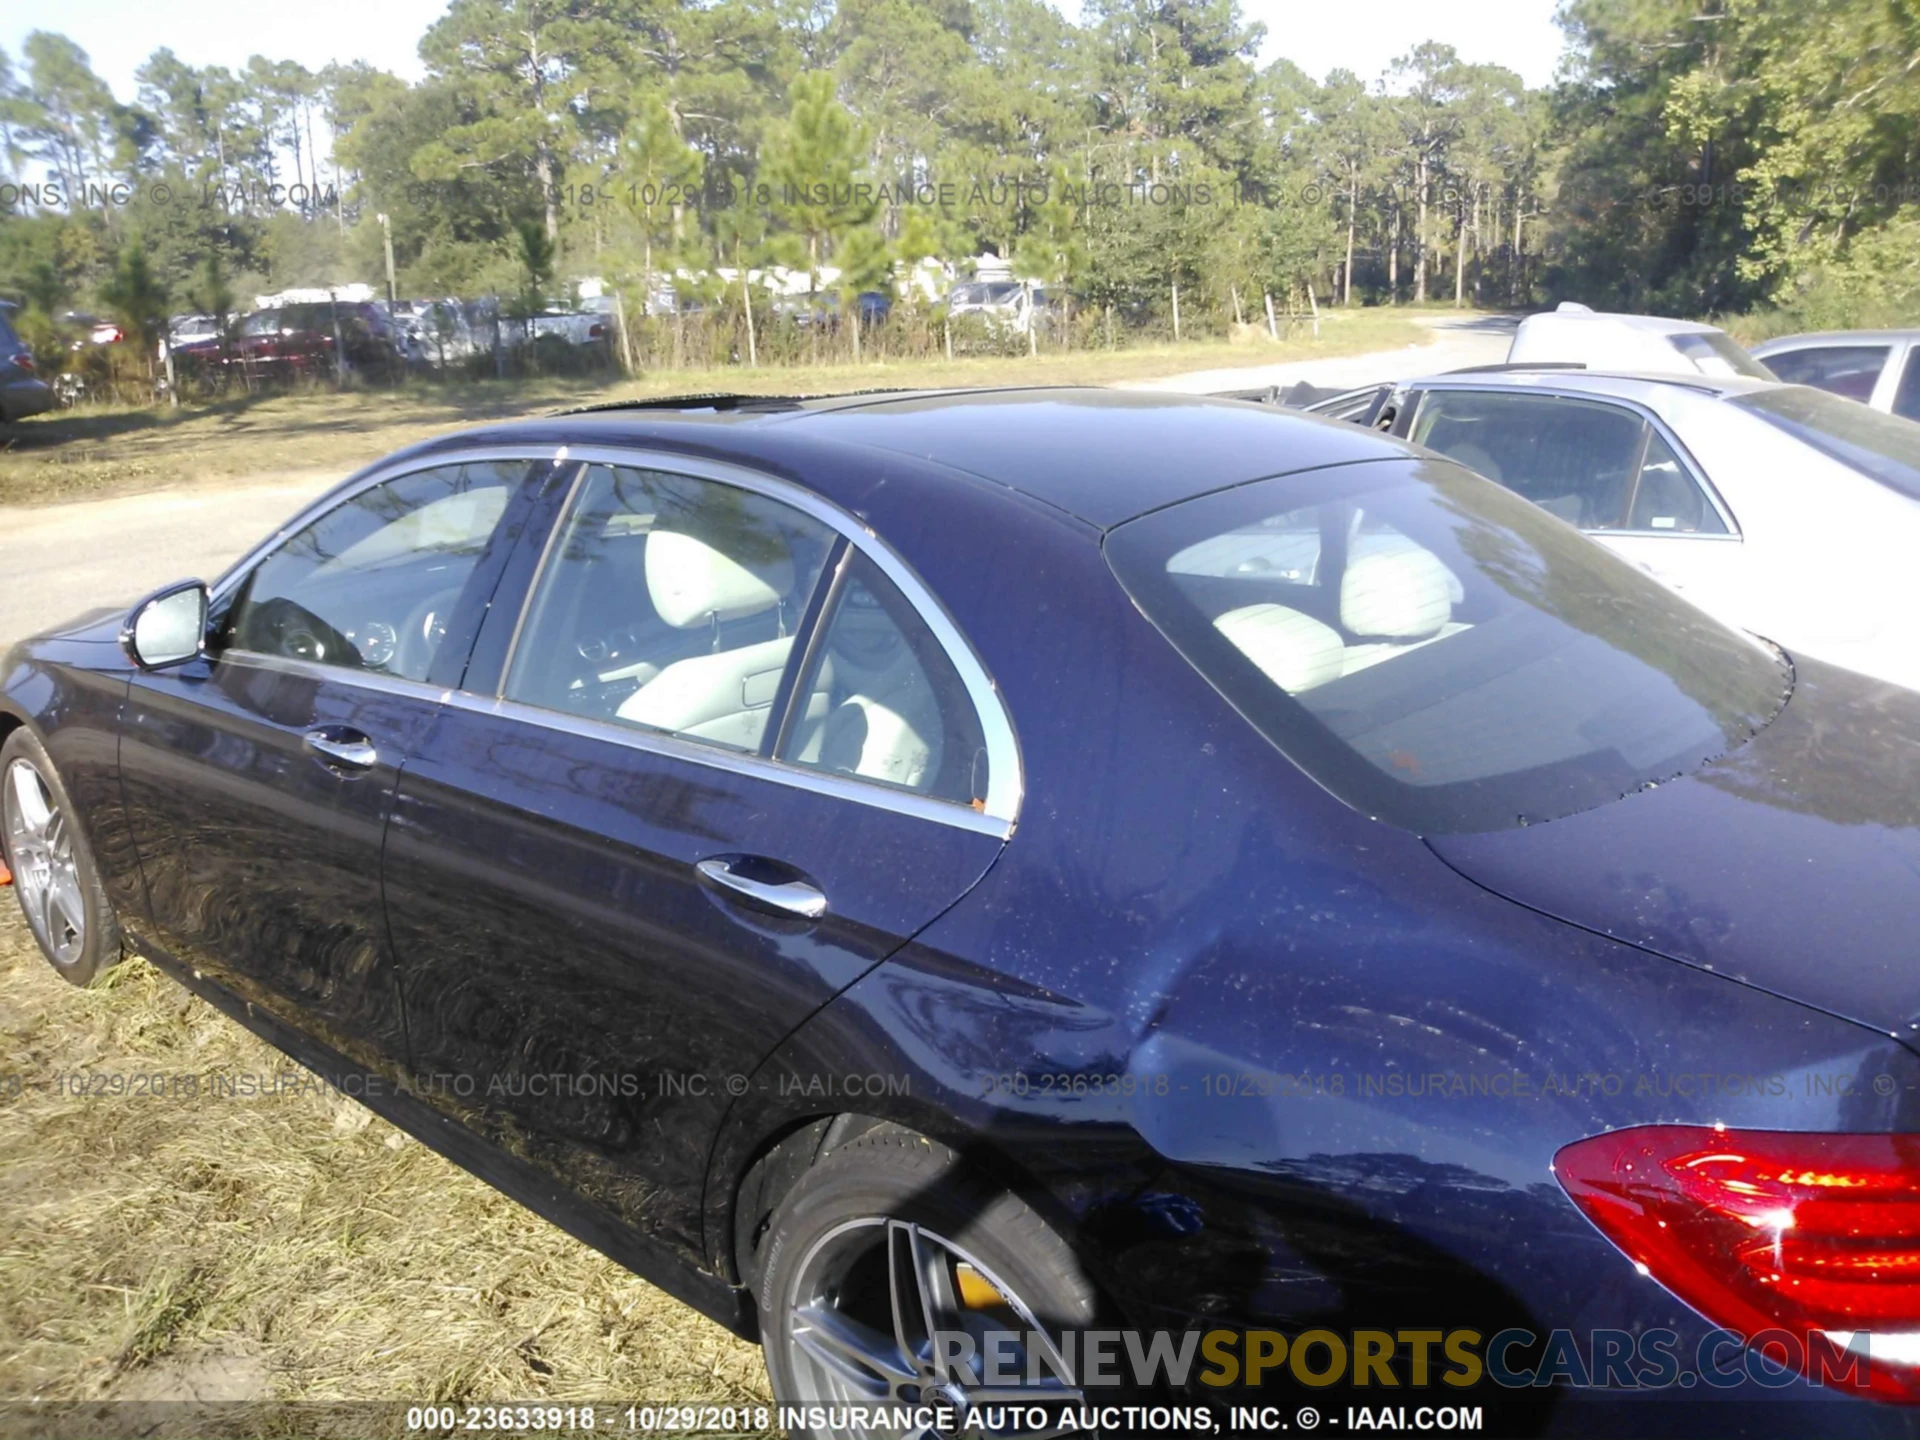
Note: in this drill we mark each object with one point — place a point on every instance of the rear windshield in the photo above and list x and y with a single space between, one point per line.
1881 447
1438 652
1715 354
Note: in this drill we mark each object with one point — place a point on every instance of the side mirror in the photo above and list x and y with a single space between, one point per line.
168 627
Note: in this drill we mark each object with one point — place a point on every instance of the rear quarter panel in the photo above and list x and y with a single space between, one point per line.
1270 1061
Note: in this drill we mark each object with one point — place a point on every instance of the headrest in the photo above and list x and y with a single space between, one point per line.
1399 593
1293 650
691 583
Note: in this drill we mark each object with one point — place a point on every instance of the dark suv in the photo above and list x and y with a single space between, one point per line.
22 392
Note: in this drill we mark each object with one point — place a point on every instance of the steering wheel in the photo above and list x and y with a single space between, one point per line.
284 627
422 631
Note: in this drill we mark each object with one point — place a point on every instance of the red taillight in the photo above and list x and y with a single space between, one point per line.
1758 1230
24 360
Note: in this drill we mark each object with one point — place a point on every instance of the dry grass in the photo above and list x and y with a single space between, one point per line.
100 451
292 1249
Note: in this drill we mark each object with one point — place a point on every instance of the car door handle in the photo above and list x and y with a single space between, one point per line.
342 745
795 897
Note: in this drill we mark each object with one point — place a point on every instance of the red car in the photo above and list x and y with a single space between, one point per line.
295 340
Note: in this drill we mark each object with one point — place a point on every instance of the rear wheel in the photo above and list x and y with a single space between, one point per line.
888 1274
54 876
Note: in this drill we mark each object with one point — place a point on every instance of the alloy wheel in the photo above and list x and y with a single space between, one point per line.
46 871
867 1302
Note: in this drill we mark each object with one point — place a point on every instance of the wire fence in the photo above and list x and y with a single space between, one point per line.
451 341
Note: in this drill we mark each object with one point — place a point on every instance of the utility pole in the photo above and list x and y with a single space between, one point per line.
386 235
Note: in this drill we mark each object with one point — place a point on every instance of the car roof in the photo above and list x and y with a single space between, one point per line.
1835 337
1620 384
1101 455
1650 324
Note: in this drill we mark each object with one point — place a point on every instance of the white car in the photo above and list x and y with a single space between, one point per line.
1780 508
1880 368
1573 335
1014 306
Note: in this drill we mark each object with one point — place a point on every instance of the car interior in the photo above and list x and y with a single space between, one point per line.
1392 596
1851 371
1416 634
1573 458
673 605
371 584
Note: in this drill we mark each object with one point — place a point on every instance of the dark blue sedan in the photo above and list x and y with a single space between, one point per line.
1052 909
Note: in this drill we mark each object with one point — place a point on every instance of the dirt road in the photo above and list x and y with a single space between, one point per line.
60 559
1455 344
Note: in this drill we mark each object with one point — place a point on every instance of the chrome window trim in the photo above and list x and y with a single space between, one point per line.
341 674
654 742
666 744
380 474
1005 775
1645 412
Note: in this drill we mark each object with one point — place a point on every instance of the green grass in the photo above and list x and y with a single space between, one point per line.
92 452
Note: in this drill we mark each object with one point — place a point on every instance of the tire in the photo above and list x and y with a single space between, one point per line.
54 874
882 1200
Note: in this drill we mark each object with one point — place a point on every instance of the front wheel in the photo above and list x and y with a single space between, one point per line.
53 871
890 1277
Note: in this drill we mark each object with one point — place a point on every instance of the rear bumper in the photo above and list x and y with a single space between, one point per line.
24 397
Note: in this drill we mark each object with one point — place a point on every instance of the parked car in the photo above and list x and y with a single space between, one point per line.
294 341
1634 344
90 330
200 350
436 333
22 391
582 337
1880 368
1780 508
909 869
92 356
1013 307
190 330
823 308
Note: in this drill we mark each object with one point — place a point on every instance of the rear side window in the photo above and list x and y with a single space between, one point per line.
1436 652
1713 353
880 700
8 340
1849 370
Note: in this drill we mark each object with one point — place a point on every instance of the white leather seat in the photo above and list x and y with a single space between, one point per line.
727 696
1292 649
1398 596
887 726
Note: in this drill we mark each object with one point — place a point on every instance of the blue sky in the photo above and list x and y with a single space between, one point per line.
120 34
